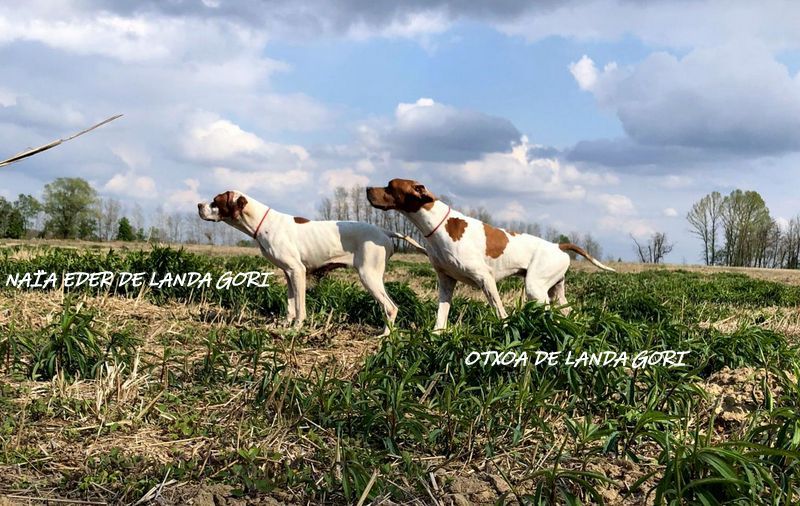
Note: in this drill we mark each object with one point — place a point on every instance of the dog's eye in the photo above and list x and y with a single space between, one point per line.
213 205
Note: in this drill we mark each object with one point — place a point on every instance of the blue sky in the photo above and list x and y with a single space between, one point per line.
602 116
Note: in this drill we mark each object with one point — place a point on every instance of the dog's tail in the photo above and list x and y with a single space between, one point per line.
397 235
582 252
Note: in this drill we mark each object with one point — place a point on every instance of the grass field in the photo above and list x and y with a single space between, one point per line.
183 395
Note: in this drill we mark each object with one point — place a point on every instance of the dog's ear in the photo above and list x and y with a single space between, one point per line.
238 206
423 193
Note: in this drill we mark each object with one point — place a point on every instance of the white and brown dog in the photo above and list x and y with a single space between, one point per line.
465 249
299 246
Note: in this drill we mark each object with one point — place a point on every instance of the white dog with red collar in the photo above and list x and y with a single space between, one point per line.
299 246
465 249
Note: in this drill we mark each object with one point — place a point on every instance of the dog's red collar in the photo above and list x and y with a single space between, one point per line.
440 223
255 234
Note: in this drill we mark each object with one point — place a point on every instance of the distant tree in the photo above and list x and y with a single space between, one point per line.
563 239
12 223
325 209
747 224
705 218
70 207
790 244
592 246
125 230
30 209
479 213
654 250
108 218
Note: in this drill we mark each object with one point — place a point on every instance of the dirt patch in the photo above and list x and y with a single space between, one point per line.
624 474
735 393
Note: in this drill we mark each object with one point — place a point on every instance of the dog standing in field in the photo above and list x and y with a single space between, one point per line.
299 246
465 249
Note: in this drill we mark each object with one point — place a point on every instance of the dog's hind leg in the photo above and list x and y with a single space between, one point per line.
371 266
534 289
557 294
373 282
489 288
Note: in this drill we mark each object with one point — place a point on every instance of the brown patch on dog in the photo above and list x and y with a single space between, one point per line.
512 233
496 241
455 228
401 194
228 207
301 220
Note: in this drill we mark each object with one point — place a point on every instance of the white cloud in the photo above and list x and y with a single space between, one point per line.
272 182
615 204
636 227
188 197
130 184
135 157
670 212
672 24
732 98
513 211
214 140
518 173
584 72
341 177
675 181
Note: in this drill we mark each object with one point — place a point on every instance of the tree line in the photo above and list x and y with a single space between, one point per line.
72 209
737 230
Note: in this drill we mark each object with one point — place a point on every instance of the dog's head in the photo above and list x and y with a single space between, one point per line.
401 194
227 206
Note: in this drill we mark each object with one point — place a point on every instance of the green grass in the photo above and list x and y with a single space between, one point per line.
414 400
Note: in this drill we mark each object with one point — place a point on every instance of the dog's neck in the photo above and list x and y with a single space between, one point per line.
427 220
252 214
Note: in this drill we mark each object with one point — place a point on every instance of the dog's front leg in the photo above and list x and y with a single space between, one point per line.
446 287
291 310
297 274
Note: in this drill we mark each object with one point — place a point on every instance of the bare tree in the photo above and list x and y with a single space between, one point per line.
656 248
592 246
108 218
790 244
341 204
705 219
325 209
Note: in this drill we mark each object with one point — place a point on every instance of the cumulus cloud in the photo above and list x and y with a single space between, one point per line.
130 184
513 211
732 99
341 177
213 140
637 227
673 24
429 131
35 113
356 19
270 182
186 197
615 204
520 172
